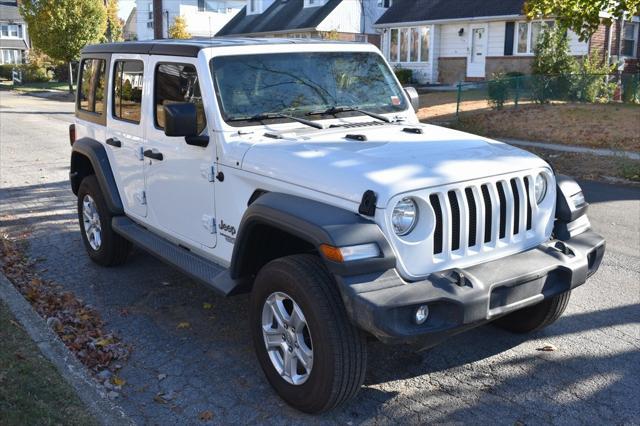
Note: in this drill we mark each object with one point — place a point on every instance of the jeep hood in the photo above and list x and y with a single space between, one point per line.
391 161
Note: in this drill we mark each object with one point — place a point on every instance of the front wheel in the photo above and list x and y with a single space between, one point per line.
309 351
103 245
535 317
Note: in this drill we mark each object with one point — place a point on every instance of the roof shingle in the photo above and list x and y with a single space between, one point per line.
434 10
282 15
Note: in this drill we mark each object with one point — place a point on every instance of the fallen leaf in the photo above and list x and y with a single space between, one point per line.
206 416
207 305
162 376
118 381
103 342
159 399
20 356
547 348
183 324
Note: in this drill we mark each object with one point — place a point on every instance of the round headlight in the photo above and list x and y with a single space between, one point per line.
540 187
404 216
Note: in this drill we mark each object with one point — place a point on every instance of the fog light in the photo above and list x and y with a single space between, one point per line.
422 313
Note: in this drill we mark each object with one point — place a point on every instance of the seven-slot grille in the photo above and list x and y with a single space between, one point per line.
481 215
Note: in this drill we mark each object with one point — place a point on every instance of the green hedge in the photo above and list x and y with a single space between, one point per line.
30 73
405 76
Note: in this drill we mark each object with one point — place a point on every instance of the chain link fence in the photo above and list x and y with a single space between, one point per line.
513 91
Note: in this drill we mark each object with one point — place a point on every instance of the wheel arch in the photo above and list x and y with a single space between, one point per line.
277 225
88 157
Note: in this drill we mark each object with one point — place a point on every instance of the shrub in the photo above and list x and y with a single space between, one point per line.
591 83
498 90
631 88
553 63
32 73
5 71
404 75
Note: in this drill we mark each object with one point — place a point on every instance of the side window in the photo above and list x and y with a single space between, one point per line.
177 83
92 84
127 90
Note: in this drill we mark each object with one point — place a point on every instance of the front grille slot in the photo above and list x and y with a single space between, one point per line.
437 234
488 209
516 207
503 210
471 202
526 187
455 220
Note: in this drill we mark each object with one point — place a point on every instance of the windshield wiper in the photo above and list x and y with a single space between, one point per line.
338 109
275 116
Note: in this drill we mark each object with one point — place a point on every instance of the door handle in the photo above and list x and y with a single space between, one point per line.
114 142
153 154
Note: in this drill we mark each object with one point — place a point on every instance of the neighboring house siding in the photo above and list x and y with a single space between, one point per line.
14 37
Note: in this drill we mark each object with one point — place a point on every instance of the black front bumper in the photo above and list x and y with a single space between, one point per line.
384 304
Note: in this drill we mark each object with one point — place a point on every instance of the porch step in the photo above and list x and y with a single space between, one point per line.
197 267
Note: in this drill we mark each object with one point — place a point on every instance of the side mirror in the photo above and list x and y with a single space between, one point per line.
413 97
182 120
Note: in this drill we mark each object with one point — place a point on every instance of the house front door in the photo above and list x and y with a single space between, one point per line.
477 51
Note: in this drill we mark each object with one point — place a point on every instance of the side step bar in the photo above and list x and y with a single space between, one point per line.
196 267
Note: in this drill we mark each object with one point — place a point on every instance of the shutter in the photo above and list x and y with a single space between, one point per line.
509 34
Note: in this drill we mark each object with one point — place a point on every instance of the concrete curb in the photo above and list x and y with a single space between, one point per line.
89 392
577 149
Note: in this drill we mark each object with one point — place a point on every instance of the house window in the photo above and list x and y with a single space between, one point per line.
92 84
150 15
629 39
11 56
209 6
10 31
127 88
409 44
385 3
528 33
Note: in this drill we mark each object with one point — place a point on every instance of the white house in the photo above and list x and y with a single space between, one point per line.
14 40
453 40
204 17
349 20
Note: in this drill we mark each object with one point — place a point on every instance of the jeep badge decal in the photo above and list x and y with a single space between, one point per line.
227 228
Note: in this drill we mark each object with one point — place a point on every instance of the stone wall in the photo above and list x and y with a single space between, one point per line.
452 70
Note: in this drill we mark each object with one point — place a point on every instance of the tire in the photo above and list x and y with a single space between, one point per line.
535 317
338 347
112 248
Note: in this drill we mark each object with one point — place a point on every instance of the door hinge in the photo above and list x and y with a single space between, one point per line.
208 172
140 153
141 197
209 223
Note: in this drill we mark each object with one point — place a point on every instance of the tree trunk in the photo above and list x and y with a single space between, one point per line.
70 77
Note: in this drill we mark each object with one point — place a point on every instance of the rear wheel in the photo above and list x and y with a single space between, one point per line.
535 317
308 349
103 246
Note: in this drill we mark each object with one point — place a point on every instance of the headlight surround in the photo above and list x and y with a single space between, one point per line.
540 187
404 216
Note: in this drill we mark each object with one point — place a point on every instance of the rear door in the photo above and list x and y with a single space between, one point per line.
180 185
125 130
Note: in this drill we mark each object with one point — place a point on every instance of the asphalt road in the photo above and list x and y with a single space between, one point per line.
485 376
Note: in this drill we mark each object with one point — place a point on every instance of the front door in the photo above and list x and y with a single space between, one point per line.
125 130
180 182
477 51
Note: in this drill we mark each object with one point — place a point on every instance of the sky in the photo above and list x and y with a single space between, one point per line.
125 8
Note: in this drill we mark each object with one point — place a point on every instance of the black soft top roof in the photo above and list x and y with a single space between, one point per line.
188 48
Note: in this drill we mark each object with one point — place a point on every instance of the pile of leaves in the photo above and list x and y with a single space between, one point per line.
76 323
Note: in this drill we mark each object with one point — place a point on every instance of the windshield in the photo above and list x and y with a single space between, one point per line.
310 85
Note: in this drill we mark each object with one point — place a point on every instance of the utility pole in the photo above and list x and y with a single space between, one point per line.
157 19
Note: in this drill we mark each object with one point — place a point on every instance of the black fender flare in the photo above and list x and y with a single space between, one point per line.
95 152
570 218
316 223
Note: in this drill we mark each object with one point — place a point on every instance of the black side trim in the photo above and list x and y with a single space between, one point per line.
315 223
94 151
361 138
509 37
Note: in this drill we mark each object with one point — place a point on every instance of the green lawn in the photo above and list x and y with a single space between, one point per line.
31 390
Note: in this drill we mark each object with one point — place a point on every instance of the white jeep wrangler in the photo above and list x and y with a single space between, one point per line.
298 171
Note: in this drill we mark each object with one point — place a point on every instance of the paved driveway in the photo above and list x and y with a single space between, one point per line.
484 376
